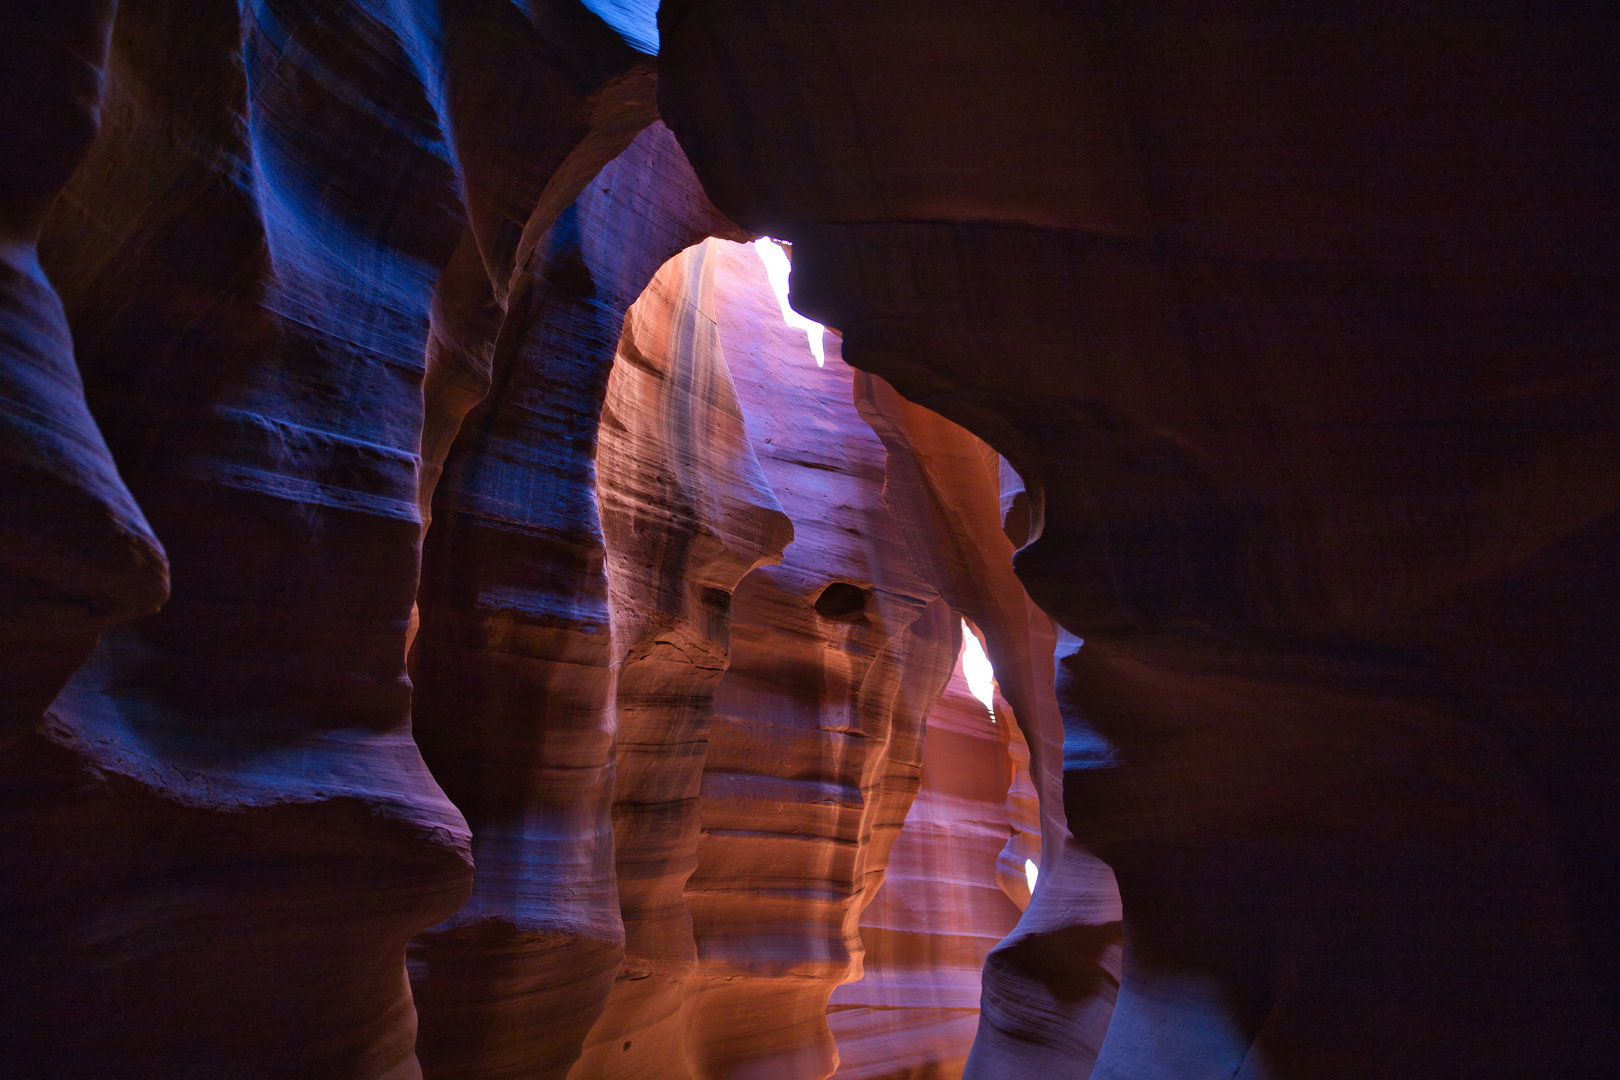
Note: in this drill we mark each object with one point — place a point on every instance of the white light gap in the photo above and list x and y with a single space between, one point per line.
981 677
777 268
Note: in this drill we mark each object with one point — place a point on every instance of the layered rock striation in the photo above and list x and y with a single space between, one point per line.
925 936
515 663
76 553
837 654
1296 329
962 509
764 771
687 513
285 263
1300 328
346 301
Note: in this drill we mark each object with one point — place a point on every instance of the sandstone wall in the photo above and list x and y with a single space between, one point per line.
915 1009
687 513
961 509
1300 327
284 262
76 552
814 754
1297 326
764 773
515 660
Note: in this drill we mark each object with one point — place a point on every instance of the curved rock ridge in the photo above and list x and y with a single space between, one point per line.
1308 362
1299 323
347 303
514 661
222 834
837 653
957 503
76 552
915 1009
796 794
686 514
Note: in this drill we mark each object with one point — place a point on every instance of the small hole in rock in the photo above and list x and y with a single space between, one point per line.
842 601
627 1044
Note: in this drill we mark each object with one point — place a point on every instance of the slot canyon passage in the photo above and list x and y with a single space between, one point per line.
458 621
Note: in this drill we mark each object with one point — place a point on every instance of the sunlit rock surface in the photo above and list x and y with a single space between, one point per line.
516 658
915 1009
836 656
1049 988
755 810
686 513
346 294
1301 328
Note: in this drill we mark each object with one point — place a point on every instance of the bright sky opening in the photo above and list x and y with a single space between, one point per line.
777 268
981 678
1031 872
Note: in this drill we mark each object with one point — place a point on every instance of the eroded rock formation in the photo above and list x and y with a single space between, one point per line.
765 726
347 306
915 1008
222 833
687 513
1299 326
837 655
961 510
76 552
514 662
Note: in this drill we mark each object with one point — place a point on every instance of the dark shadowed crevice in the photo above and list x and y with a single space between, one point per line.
842 601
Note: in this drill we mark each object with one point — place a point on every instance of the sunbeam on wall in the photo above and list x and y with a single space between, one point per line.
778 268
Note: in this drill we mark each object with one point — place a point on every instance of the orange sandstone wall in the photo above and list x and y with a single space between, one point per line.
915 1009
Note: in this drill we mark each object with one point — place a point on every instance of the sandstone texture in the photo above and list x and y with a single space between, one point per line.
1300 328
76 552
346 300
963 508
515 661
771 708
687 513
837 654
283 261
915 1009
451 625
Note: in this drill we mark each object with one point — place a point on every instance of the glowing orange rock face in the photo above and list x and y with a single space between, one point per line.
915 1009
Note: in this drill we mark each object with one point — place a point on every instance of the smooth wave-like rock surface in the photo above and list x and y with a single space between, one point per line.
915 1009
769 727
76 552
961 508
1290 335
515 659
1300 327
687 513
346 293
297 221
837 654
